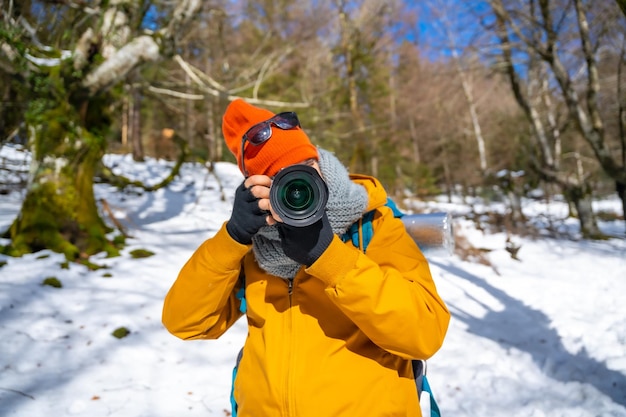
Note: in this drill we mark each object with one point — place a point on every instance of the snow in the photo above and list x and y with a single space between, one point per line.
544 335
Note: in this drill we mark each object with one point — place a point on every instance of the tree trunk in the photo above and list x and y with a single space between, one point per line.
415 142
125 118
467 90
517 214
621 192
59 210
136 136
512 186
581 198
214 153
622 5
447 175
358 160
188 123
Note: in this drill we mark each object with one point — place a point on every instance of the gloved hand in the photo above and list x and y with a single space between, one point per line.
306 244
247 217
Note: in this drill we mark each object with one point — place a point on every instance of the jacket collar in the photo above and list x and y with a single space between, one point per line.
375 190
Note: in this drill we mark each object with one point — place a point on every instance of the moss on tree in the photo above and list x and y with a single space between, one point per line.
66 131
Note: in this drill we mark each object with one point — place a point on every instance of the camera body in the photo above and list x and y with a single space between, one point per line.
299 195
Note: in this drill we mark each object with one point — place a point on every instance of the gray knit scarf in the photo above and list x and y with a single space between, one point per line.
347 202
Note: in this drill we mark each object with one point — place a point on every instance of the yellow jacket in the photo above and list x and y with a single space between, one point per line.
335 341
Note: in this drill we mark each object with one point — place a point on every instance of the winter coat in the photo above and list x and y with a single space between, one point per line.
337 340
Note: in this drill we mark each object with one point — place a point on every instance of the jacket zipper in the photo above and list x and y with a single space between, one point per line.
290 289
289 376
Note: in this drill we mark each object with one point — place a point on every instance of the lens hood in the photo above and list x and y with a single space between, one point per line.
299 195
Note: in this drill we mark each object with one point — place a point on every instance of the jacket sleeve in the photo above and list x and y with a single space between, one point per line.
388 293
202 302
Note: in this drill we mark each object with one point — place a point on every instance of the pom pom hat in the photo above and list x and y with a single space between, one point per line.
284 148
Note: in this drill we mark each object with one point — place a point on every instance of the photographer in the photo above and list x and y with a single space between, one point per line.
331 330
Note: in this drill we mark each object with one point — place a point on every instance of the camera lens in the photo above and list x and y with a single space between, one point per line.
299 195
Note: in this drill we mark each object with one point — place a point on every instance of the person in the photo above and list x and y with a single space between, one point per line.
331 330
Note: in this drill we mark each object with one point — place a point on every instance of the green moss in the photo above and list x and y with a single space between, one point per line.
120 332
119 241
52 282
11 250
2 263
67 130
70 251
141 253
90 265
112 251
107 275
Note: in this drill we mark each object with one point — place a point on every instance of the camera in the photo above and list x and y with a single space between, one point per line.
299 195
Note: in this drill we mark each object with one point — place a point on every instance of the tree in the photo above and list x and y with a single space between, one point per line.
363 66
539 35
443 10
71 63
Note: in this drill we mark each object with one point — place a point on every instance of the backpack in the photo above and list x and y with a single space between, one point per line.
360 233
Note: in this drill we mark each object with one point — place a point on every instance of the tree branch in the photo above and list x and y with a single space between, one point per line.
185 11
221 91
177 94
499 10
622 5
196 75
141 49
593 83
6 65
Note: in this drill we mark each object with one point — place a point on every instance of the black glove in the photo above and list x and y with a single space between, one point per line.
247 218
306 244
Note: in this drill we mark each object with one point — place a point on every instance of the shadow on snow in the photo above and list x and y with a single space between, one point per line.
538 339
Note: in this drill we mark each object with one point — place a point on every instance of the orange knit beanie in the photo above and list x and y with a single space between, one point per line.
284 148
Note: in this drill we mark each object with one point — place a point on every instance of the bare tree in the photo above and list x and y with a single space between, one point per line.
442 10
537 35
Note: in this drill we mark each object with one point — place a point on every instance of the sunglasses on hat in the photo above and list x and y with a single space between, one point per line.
262 132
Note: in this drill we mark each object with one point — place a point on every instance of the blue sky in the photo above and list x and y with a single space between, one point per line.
463 19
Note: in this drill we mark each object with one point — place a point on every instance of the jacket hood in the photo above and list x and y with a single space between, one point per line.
375 190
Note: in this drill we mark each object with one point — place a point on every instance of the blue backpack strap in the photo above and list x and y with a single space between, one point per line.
434 408
421 382
396 212
361 231
241 296
367 231
241 293
233 403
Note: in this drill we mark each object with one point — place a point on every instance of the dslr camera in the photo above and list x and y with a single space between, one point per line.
299 195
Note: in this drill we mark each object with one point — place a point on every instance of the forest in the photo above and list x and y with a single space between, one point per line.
504 99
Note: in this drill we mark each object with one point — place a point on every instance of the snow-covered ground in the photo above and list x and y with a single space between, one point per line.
544 335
